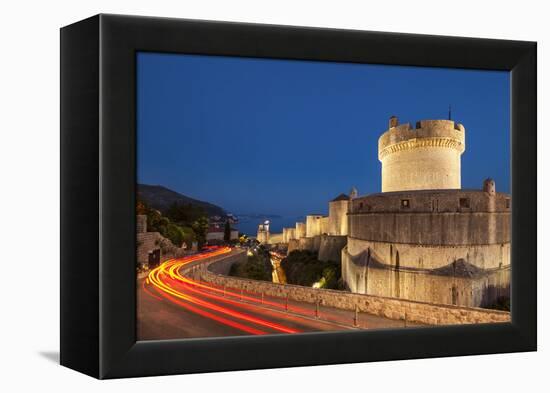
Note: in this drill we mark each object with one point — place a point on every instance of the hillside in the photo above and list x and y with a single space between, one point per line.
161 198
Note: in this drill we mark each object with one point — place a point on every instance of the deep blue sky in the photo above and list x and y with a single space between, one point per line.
284 136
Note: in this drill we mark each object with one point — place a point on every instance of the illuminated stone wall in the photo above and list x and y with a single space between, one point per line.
338 219
441 217
440 246
150 241
455 284
422 158
141 223
330 247
324 226
314 225
275 238
420 256
289 234
399 309
300 230
327 247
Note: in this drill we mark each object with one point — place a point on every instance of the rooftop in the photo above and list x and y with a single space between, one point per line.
341 197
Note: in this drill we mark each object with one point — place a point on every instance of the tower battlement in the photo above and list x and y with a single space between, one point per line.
424 157
424 129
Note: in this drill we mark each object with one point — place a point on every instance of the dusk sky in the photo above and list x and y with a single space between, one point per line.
284 137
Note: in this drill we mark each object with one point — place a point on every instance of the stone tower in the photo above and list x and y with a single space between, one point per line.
426 157
489 186
337 215
263 233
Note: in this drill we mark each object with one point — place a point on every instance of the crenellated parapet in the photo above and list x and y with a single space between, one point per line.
427 131
424 157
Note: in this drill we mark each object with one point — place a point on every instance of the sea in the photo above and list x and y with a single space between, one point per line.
249 225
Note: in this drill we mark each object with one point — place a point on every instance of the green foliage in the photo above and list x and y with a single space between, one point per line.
176 233
200 227
303 268
184 214
227 232
188 236
255 268
502 303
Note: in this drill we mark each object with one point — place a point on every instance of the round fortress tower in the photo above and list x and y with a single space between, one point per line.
426 157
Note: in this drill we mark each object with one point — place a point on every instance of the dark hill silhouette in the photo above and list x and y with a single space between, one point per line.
161 198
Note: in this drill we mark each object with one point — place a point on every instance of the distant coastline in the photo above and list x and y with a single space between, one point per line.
248 224
257 215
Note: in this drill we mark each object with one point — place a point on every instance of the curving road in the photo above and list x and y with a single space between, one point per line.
173 305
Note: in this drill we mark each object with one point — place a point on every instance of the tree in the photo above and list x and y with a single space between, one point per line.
166 226
184 214
174 233
188 236
303 268
253 268
200 227
227 232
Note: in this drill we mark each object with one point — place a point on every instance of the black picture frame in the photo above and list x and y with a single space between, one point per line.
98 187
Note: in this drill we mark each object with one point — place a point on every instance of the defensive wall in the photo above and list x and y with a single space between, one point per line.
445 246
300 230
328 247
458 283
212 271
423 237
148 242
337 215
316 224
325 235
288 234
421 158
276 238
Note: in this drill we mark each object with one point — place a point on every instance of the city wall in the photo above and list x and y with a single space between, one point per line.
328 247
300 230
316 225
416 256
399 309
470 228
275 238
337 217
458 283
288 234
151 241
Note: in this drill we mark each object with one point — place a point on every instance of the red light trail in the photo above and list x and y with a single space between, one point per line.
173 304
190 294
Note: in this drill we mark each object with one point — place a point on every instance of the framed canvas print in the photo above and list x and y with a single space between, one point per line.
296 196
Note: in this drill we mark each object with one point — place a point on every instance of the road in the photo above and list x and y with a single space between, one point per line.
171 305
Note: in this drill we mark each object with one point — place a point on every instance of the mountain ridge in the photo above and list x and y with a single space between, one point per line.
161 198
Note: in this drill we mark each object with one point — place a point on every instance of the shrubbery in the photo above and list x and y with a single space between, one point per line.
303 268
255 268
502 303
176 232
